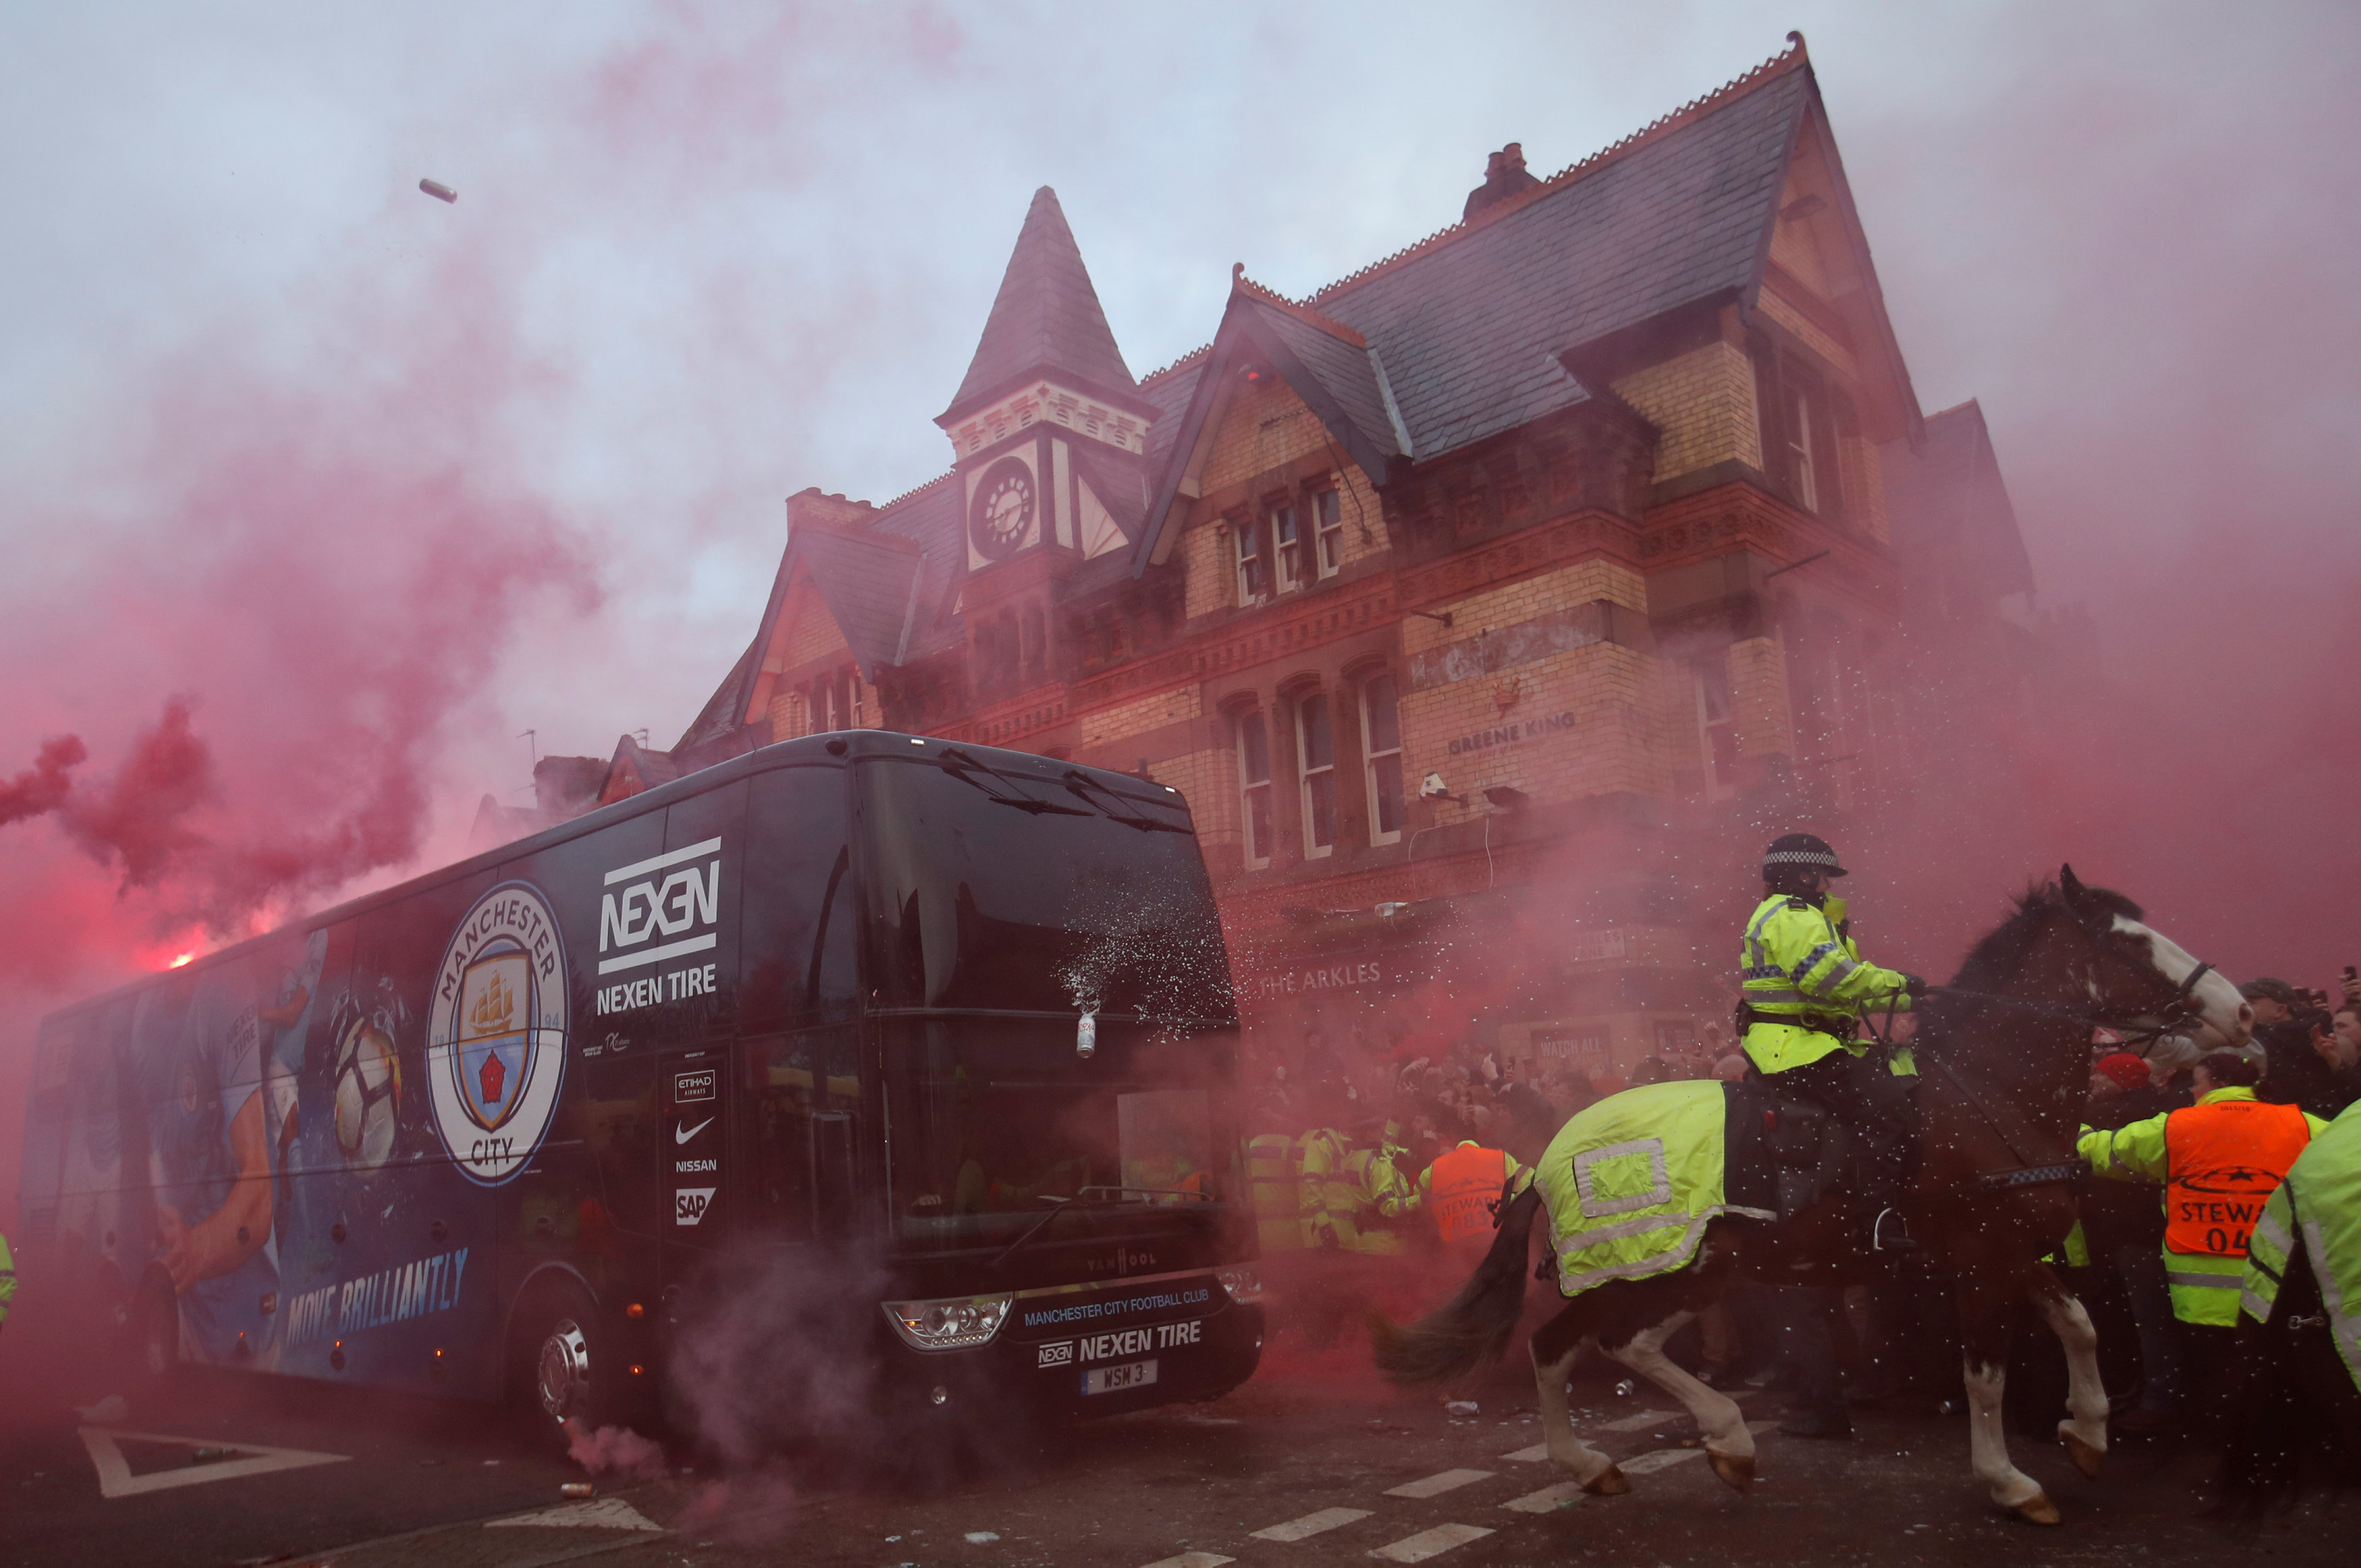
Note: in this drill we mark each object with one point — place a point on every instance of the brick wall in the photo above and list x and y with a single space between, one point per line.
1758 698
1789 316
1703 401
1140 714
1208 780
1513 603
1864 487
1794 248
1265 427
1585 722
809 634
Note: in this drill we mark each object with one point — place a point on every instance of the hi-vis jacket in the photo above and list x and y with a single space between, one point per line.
1329 1190
1798 966
1383 1194
2317 1212
2220 1160
1278 1199
1456 1187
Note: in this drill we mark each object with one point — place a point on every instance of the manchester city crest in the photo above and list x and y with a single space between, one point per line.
495 1042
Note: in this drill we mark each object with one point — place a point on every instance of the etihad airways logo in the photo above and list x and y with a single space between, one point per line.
657 912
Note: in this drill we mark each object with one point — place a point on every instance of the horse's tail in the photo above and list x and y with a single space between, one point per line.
2293 1412
1473 1325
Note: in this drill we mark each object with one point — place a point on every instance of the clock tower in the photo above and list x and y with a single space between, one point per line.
1048 431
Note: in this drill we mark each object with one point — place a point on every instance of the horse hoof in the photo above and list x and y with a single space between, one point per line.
1736 1469
2038 1510
1609 1482
2086 1458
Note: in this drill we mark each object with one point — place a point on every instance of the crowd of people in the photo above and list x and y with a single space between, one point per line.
1362 1174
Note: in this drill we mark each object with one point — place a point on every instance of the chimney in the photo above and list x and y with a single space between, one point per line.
1504 176
812 505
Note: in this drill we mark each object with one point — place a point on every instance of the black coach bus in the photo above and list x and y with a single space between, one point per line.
938 1036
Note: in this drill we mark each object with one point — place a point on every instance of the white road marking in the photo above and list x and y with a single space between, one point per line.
1311 1524
1193 1560
1532 1455
1433 1542
115 1480
1546 1500
1662 1459
1435 1486
599 1513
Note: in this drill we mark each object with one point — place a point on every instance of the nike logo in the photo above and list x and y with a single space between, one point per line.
682 1134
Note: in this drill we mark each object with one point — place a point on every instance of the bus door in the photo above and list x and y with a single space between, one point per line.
695 1092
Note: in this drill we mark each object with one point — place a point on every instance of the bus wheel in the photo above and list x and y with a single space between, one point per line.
559 1366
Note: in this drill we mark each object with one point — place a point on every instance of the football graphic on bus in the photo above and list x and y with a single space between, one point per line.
368 1094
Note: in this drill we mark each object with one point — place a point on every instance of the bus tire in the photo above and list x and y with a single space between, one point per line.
562 1373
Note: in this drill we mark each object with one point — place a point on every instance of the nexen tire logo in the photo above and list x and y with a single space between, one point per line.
652 907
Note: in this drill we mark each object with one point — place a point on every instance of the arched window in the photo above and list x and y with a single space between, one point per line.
1254 786
1315 760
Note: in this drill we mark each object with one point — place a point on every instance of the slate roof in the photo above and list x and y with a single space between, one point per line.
1337 358
866 580
1470 324
1046 317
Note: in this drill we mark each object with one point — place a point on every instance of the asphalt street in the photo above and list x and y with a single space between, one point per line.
1312 1462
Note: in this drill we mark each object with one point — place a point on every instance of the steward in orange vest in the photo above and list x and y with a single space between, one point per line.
1462 1188
2220 1160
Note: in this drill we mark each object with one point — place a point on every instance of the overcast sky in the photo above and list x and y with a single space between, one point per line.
257 390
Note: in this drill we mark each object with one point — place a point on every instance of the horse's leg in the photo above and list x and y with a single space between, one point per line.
1729 1446
2084 1430
1553 1346
1986 1296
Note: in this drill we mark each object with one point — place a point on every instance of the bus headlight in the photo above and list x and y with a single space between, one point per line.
1243 1282
960 1324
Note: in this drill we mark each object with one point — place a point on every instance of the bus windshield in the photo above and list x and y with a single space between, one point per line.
997 1122
1038 889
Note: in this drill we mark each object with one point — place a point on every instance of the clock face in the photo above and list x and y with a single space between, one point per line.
1003 509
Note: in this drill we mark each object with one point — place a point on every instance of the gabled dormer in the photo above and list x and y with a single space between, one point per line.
1048 431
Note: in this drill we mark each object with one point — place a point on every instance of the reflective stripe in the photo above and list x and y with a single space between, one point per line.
1779 998
1815 956
2268 1229
2255 1306
1660 1185
2345 1326
2204 1281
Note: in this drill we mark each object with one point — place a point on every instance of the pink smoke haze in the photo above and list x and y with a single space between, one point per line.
614 1450
321 491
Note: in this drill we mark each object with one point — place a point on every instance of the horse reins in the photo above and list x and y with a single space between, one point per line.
2174 1012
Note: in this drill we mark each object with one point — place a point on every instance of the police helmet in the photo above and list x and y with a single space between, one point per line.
1794 851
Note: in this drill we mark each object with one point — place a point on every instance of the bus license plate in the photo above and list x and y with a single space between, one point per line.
1109 1379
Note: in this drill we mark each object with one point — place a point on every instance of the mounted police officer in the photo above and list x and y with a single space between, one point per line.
1805 988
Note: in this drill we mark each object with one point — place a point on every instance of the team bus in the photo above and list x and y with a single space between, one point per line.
901 1060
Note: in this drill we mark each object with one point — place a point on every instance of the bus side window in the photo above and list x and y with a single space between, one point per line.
797 950
779 1080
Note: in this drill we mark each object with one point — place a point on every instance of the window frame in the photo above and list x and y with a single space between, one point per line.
1249 561
1252 720
1286 534
1312 781
1703 672
1327 508
1373 755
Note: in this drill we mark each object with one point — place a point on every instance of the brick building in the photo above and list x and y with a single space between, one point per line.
1486 604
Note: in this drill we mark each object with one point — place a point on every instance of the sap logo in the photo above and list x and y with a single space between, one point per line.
689 1203
1059 1354
661 898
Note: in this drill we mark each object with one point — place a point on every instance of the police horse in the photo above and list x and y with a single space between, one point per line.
2004 1058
